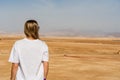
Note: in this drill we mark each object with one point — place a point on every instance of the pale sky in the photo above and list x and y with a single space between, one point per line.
85 16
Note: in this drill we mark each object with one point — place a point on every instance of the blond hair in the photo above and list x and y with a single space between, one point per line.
31 29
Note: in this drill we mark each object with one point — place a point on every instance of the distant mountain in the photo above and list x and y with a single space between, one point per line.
115 34
61 33
75 33
70 32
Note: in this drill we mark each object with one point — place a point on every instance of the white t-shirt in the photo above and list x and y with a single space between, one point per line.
29 54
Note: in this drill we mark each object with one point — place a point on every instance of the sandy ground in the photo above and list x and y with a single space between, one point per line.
73 58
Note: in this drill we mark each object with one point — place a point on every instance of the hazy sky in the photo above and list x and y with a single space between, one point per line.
57 15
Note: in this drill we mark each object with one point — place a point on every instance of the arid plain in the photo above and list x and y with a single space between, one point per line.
73 58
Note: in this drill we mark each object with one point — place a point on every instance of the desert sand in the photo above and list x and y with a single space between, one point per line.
73 58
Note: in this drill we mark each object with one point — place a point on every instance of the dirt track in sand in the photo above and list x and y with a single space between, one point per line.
73 58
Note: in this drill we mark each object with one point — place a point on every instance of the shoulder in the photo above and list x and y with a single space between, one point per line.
16 43
19 41
45 45
44 42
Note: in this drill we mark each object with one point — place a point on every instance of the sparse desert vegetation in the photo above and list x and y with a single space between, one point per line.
73 58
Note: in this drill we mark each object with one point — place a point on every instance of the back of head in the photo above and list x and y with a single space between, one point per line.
31 29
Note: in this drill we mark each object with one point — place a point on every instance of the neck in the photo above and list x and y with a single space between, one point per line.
30 38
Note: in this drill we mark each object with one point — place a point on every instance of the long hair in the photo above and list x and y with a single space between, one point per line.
31 29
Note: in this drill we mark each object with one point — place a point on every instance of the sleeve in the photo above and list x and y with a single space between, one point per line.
45 53
14 57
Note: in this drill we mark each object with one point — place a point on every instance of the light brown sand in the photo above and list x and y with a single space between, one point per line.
73 58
